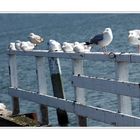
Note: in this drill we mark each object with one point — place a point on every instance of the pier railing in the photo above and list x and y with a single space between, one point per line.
120 86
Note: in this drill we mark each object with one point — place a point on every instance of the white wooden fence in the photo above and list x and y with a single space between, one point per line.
120 86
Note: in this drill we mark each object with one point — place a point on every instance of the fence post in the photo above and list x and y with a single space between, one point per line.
14 82
42 87
55 71
122 72
79 92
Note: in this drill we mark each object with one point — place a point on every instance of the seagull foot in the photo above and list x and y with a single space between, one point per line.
106 53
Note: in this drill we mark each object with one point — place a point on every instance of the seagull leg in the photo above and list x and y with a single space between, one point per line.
105 50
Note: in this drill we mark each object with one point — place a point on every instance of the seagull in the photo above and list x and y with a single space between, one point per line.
18 45
103 39
54 46
36 39
27 46
81 47
67 47
134 38
78 47
12 46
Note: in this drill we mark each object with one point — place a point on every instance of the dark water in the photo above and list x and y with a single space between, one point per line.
70 28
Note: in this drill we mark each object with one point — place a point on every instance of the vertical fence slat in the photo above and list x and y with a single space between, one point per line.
79 92
14 82
55 71
122 72
42 87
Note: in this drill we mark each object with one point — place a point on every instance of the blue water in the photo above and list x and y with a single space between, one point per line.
70 28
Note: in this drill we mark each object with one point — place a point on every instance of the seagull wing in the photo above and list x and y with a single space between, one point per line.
96 39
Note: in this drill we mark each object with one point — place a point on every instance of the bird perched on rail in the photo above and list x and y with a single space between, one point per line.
103 39
35 39
54 46
79 47
67 47
134 38
27 46
24 45
75 47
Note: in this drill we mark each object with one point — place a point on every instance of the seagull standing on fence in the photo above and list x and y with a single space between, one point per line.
54 46
79 47
103 39
67 47
27 46
36 39
134 38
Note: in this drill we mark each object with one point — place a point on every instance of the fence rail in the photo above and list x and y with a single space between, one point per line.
99 114
94 56
131 89
120 86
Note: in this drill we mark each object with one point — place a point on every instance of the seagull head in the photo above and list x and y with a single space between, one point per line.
131 34
31 34
108 30
108 34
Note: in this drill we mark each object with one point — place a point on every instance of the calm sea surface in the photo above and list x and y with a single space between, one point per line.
70 28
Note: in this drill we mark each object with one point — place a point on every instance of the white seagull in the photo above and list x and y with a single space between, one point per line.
81 47
103 39
78 47
12 46
54 46
134 38
27 46
67 47
36 39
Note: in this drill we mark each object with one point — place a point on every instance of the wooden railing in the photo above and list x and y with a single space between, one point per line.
120 86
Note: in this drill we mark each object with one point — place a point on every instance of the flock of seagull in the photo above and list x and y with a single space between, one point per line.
103 40
34 40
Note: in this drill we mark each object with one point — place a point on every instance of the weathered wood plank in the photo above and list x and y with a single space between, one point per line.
131 89
93 56
14 82
55 71
99 114
42 87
